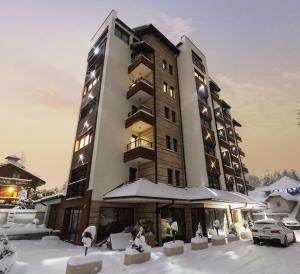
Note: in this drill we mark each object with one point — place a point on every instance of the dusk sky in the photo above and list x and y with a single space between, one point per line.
252 49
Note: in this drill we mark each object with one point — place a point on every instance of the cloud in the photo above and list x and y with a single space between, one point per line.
173 27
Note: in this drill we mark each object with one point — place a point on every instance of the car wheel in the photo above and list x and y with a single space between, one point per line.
285 242
255 241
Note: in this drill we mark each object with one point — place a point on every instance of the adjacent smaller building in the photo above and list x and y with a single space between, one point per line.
14 178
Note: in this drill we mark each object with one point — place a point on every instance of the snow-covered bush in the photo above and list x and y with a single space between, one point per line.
35 221
139 243
174 229
7 255
199 232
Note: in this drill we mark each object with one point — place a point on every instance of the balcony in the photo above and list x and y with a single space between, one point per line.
208 136
234 158
204 110
229 181
242 153
228 170
76 189
245 169
140 151
234 150
139 119
212 165
140 91
141 66
225 157
227 117
230 135
238 137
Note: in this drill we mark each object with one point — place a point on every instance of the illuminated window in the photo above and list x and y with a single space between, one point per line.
164 64
165 87
83 141
172 92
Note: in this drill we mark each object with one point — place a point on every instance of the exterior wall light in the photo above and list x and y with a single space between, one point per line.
10 189
86 124
93 74
204 110
213 164
208 136
96 50
81 157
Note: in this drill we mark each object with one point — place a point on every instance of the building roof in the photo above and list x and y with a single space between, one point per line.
145 189
283 195
282 184
150 29
49 198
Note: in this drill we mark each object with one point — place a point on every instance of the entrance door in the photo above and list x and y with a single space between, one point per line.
72 224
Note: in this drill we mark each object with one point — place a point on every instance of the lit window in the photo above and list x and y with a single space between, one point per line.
172 92
83 141
164 64
165 87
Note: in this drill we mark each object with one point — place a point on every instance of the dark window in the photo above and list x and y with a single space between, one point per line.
77 184
89 108
114 220
175 145
52 219
209 150
213 181
198 61
177 177
168 142
135 40
170 176
72 224
173 116
205 122
132 174
164 64
171 69
122 34
169 215
167 113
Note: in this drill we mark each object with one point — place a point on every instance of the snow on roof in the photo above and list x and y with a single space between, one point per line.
143 188
283 183
283 195
49 198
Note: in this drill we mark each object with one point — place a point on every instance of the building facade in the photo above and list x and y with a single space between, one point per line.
151 118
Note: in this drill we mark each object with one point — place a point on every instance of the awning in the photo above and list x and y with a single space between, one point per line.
145 190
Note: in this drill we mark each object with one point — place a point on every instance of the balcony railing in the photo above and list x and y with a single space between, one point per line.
242 153
76 189
139 142
140 108
145 64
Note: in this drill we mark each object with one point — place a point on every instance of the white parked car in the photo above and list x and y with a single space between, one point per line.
272 231
291 223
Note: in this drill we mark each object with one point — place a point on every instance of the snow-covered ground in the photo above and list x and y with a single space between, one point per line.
50 257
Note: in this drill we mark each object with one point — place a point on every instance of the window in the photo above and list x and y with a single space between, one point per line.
172 92
177 177
209 150
114 220
171 69
278 204
73 219
206 123
89 108
167 113
132 174
83 141
170 176
175 145
198 62
213 181
164 64
165 87
168 142
122 34
173 116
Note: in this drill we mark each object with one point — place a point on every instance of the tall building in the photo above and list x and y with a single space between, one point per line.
154 140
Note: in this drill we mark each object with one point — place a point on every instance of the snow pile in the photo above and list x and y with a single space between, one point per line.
198 240
81 260
232 236
17 229
175 244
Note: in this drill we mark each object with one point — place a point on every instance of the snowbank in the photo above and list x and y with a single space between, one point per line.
217 237
17 229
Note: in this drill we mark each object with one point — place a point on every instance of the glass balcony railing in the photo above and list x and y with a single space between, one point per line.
139 142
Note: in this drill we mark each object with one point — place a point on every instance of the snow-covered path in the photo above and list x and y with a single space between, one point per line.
50 257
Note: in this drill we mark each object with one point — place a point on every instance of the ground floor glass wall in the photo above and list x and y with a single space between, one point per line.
114 220
198 216
168 215
72 224
212 214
